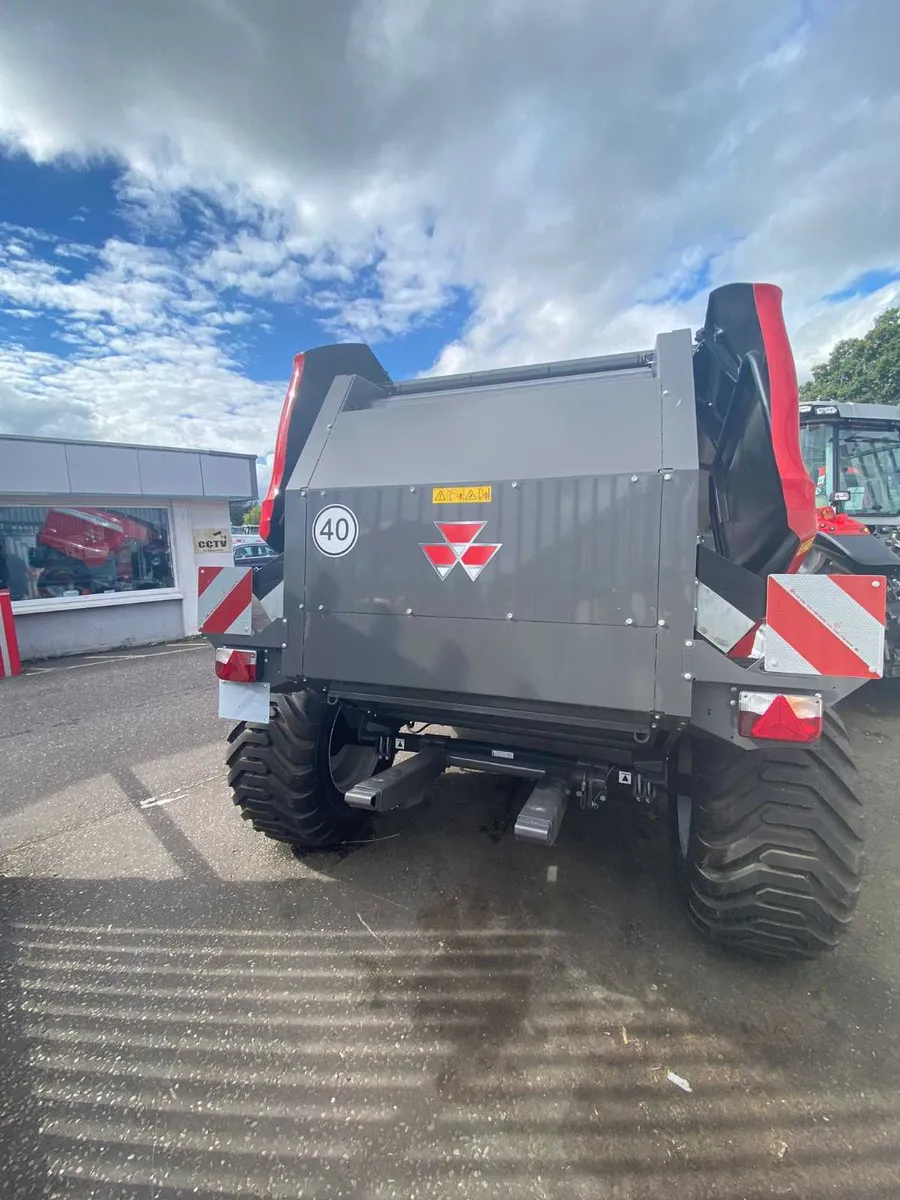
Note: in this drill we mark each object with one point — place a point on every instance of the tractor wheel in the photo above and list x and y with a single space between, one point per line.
289 777
768 844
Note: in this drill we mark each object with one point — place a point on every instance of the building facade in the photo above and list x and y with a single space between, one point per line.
100 542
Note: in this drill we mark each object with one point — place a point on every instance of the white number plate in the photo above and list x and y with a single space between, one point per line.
244 701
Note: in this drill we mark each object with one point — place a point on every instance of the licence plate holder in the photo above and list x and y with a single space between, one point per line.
244 702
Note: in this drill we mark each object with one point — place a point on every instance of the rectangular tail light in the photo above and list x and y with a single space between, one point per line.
237 666
780 717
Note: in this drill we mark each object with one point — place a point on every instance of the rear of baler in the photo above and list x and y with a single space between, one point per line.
592 571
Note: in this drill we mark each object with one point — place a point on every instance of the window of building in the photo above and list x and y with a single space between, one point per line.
62 552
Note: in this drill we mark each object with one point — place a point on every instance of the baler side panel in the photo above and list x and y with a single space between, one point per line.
546 429
579 551
316 440
300 506
678 522
296 511
593 666
566 610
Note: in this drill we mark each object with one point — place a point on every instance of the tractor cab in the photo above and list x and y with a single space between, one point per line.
852 452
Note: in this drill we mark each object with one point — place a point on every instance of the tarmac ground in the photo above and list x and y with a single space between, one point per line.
188 1010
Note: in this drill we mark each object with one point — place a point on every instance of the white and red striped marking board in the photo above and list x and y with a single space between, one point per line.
9 647
225 599
826 625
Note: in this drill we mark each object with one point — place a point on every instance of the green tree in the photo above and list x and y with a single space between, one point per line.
251 516
237 509
865 370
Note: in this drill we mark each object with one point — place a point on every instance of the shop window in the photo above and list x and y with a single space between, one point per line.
49 553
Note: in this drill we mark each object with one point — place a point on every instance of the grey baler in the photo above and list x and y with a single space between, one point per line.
592 573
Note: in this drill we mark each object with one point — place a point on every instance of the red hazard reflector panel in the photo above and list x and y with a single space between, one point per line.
225 599
779 718
237 666
826 625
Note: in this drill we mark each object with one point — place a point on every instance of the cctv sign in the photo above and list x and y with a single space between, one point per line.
212 541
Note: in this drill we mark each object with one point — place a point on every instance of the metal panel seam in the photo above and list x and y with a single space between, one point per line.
350 612
329 426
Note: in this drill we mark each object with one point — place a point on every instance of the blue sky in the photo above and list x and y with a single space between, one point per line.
60 217
866 284
192 191
67 226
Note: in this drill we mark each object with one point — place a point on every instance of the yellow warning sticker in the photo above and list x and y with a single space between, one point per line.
466 494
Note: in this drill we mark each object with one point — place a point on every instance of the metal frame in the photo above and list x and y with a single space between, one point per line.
550 370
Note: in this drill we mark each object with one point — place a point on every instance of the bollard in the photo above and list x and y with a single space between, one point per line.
9 647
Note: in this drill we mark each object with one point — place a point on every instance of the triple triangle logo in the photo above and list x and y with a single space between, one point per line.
459 546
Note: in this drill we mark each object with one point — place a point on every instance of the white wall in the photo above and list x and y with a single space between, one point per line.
189 515
85 630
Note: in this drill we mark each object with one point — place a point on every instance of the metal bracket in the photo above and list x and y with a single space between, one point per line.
542 814
644 790
400 786
593 789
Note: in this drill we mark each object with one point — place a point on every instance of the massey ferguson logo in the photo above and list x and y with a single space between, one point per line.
459 546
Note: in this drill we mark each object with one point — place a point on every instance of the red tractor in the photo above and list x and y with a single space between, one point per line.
83 551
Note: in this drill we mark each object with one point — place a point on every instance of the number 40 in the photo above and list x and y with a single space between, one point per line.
339 529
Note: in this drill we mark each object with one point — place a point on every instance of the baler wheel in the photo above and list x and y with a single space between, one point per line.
768 846
289 777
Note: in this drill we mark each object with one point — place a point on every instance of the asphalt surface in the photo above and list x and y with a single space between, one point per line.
188 1010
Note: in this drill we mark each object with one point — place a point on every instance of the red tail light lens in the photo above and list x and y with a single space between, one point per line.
780 718
266 509
237 666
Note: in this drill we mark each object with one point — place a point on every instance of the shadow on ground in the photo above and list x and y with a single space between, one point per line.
427 1017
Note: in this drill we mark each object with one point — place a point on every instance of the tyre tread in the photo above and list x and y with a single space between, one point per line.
275 780
775 858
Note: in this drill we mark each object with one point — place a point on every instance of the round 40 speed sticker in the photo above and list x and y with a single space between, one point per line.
335 530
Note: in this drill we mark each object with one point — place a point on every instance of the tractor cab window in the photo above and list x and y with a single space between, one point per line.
869 467
817 447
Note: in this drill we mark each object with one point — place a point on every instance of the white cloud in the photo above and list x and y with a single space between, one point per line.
149 356
567 165
823 324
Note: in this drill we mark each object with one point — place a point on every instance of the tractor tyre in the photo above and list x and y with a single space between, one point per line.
768 845
289 777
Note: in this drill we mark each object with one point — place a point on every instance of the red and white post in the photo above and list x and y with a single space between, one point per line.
10 663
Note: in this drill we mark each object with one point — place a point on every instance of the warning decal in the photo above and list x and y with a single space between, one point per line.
465 494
